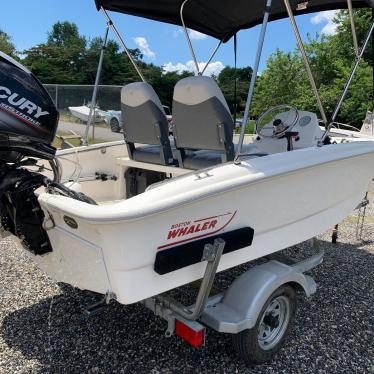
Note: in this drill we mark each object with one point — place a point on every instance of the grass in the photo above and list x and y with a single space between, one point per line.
75 142
249 129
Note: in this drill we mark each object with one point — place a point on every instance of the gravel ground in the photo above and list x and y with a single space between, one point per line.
43 328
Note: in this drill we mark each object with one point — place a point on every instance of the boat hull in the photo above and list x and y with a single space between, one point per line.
83 113
285 198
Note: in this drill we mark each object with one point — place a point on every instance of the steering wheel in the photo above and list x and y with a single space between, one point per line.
276 121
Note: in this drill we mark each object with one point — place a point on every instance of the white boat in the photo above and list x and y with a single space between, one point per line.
83 113
367 128
132 220
340 132
118 244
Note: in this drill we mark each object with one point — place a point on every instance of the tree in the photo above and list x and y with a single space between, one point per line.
331 57
164 82
281 82
6 44
62 58
117 68
343 41
226 80
68 58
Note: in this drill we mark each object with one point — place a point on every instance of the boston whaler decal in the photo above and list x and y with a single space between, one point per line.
192 229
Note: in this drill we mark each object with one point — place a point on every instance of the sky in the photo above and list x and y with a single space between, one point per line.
28 22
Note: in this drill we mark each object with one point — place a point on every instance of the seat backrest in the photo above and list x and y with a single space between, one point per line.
201 116
144 119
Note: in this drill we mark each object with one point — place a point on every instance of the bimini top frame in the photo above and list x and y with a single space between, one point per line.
223 18
190 43
110 25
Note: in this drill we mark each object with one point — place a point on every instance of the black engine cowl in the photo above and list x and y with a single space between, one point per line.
28 117
28 124
20 212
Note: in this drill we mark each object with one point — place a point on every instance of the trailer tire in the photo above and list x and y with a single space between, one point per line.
248 343
114 125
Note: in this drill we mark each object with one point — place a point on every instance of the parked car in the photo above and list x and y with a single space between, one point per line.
114 119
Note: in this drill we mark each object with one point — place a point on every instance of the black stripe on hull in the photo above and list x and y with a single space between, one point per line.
180 256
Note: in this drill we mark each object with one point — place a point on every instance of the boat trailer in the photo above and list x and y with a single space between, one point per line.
248 304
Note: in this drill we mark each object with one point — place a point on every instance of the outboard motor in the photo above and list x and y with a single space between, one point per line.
28 123
28 117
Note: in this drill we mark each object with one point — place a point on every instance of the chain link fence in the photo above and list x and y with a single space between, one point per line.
108 101
66 95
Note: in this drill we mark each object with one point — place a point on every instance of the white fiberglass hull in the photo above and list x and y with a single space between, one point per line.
342 135
83 113
286 198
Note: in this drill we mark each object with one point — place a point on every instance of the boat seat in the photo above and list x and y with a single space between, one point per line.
201 160
198 159
202 123
204 159
145 123
148 153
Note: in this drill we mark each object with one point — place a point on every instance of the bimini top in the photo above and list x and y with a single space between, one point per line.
220 18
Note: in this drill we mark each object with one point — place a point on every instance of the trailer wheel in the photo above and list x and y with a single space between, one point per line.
259 344
114 125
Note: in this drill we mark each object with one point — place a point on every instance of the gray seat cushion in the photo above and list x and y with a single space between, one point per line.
145 122
202 159
148 153
193 160
202 121
151 153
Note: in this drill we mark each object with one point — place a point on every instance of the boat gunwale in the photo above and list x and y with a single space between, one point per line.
135 217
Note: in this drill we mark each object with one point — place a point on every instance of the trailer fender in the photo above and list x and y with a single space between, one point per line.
243 300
